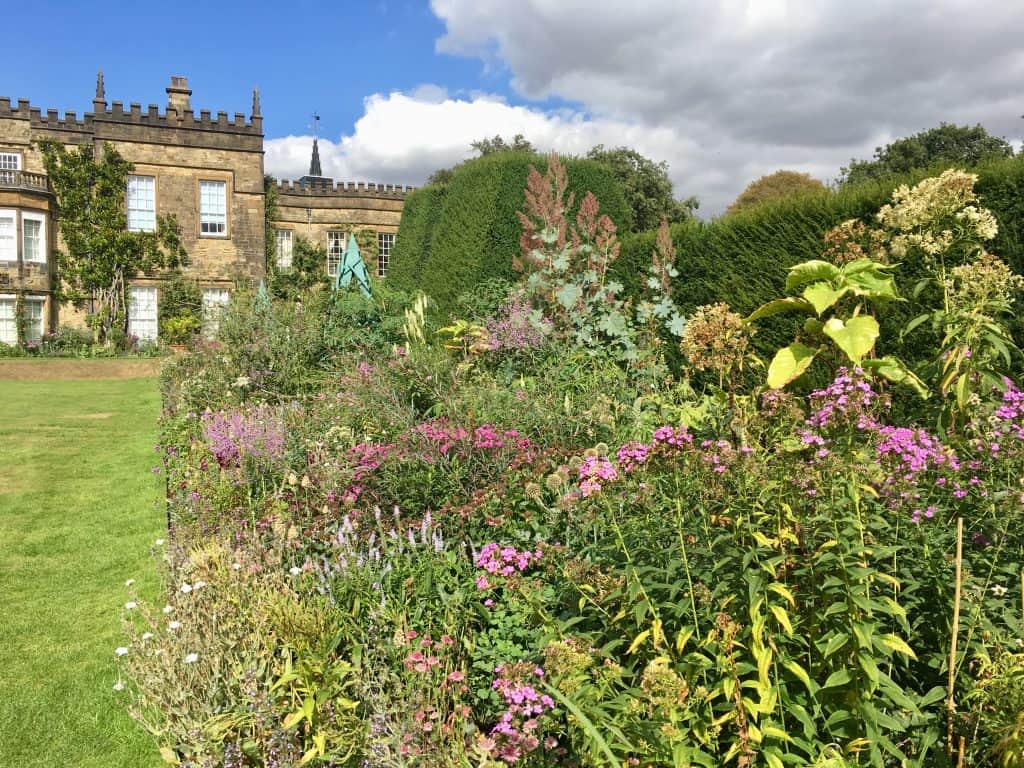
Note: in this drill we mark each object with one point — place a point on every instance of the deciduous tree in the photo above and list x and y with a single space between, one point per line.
949 143
774 186
647 186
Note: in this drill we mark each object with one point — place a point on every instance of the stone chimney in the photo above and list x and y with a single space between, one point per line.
177 94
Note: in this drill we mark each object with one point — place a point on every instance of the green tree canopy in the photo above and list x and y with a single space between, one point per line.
100 252
947 144
492 146
498 144
774 186
646 185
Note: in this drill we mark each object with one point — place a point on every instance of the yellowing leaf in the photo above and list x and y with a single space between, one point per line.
822 296
657 635
855 337
782 589
682 639
801 674
169 756
776 733
783 618
789 363
899 645
638 641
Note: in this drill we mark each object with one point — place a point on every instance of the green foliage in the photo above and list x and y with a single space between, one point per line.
498 144
455 236
180 309
948 144
646 185
101 254
270 210
181 329
744 259
541 558
834 298
775 186
308 269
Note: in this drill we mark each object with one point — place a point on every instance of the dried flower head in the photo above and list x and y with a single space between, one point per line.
853 240
715 339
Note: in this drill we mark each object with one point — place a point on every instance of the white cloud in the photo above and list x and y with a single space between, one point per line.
403 138
723 90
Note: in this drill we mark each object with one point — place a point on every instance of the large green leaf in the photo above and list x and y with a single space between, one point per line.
778 307
810 272
823 296
789 363
855 337
897 372
568 295
871 282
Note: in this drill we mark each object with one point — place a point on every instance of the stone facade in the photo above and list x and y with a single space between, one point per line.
207 171
320 210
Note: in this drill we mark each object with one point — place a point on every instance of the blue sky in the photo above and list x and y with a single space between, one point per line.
723 91
303 56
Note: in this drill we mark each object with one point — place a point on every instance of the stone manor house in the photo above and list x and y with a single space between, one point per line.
206 170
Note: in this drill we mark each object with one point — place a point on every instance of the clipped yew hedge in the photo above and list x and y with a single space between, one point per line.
456 235
742 259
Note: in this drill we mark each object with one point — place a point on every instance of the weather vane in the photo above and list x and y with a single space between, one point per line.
316 120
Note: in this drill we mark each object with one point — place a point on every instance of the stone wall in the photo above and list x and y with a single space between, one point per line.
179 148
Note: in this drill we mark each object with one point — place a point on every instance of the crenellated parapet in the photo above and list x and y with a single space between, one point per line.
328 187
134 115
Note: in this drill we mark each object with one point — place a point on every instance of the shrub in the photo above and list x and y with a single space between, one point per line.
743 259
180 309
459 235
531 557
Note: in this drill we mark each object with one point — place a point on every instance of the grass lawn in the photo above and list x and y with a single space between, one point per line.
78 517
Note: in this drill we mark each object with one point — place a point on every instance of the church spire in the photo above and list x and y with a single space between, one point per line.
314 163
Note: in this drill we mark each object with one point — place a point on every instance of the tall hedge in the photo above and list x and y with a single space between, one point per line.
742 259
454 236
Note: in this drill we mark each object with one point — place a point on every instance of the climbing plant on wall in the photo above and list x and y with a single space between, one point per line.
100 254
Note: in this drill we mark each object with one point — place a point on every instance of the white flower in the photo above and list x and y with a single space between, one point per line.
159 542
118 686
168 609
129 582
147 635
121 651
999 590
130 605
199 585
174 625
186 588
192 658
294 570
236 566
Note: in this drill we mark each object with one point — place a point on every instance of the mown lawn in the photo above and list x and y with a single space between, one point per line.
79 512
